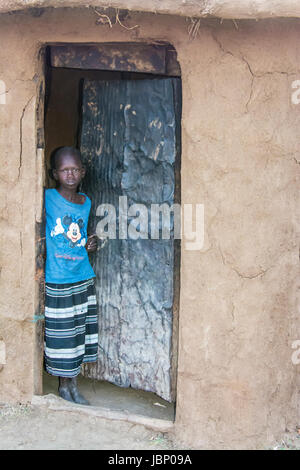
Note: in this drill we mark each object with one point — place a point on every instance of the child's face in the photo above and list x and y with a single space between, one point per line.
69 171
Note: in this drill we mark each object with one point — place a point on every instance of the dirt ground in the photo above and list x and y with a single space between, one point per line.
32 427
29 427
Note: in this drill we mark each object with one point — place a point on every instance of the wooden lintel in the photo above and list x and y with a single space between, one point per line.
126 57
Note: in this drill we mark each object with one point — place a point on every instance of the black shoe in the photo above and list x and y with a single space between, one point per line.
63 389
65 394
77 397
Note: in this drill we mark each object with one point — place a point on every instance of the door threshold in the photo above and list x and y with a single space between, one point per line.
56 403
105 395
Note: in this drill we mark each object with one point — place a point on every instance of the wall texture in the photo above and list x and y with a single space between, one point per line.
191 8
237 384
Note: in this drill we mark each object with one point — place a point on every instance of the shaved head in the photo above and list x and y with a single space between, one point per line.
61 152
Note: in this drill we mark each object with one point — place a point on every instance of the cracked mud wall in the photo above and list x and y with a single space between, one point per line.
192 8
237 385
241 146
17 215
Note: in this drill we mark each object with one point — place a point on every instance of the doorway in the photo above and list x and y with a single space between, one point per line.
124 115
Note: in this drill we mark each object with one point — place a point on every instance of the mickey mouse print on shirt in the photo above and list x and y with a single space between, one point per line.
71 229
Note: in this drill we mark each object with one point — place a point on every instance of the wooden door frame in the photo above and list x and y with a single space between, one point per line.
161 60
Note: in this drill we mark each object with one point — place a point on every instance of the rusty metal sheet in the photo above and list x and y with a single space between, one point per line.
130 57
128 143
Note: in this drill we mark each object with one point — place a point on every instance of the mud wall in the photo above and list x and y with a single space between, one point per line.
192 8
237 383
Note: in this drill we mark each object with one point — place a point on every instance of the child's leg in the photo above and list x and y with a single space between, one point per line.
80 299
91 336
68 390
64 388
77 397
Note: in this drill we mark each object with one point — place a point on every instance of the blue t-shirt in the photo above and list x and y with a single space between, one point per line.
66 235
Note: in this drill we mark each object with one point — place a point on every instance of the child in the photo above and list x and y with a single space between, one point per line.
71 322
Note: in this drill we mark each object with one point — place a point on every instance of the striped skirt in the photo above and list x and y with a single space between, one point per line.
71 327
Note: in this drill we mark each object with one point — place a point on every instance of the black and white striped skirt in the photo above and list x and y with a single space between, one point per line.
71 327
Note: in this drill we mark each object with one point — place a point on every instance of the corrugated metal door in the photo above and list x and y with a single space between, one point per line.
128 143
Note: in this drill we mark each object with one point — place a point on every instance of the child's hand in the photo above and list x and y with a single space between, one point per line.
91 244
